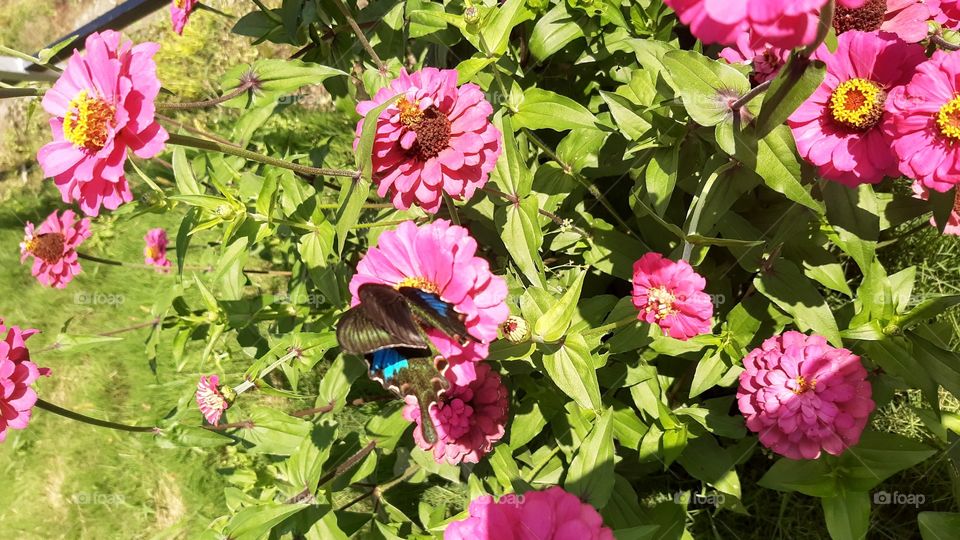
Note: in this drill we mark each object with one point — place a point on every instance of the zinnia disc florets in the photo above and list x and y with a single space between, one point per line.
866 19
88 121
857 104
948 120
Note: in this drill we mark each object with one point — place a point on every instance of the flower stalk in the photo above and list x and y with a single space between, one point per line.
73 415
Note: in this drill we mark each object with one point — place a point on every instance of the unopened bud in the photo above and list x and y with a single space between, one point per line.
515 329
471 15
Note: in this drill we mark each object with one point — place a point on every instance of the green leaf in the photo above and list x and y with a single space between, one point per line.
793 85
74 342
337 381
808 477
183 236
792 292
877 457
505 468
928 309
661 177
255 522
774 157
276 78
941 364
556 320
854 216
710 370
543 109
497 26
183 173
572 369
275 432
554 31
706 86
591 472
847 515
627 119
523 237
511 173
938 525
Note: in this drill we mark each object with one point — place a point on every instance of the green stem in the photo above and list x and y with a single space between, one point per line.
513 199
938 40
451 208
56 344
360 37
749 96
378 491
213 146
610 327
246 385
213 10
348 464
47 406
112 262
268 12
823 30
236 92
190 129
698 205
379 224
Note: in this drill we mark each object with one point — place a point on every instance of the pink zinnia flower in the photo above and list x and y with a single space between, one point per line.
781 23
946 12
840 128
102 106
469 417
905 18
925 124
441 258
436 138
53 246
17 374
210 398
155 250
551 514
180 13
765 60
803 395
670 295
953 223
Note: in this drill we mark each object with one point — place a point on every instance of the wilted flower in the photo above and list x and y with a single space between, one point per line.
436 138
53 246
765 60
469 417
551 514
803 395
17 374
211 398
841 127
180 13
440 258
155 250
670 295
102 107
925 123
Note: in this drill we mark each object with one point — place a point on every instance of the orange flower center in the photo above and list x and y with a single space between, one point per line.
803 386
420 283
431 126
87 122
857 104
180 3
660 302
153 252
948 120
47 247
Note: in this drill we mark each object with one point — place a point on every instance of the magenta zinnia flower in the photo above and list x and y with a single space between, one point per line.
102 106
905 18
551 514
53 246
803 395
953 223
765 60
210 398
155 250
441 258
781 23
17 374
840 128
180 13
946 12
436 138
469 417
925 123
670 295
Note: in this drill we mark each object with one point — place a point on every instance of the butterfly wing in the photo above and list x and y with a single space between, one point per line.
382 320
433 312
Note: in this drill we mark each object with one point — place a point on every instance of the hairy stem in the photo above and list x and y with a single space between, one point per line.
360 37
238 91
67 413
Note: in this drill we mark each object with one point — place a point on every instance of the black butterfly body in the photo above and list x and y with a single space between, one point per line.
388 328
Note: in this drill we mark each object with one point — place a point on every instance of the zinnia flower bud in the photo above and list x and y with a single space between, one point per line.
515 329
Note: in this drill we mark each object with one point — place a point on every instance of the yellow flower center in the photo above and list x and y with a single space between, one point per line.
948 119
660 302
47 247
153 252
803 386
180 3
410 113
420 283
857 104
88 120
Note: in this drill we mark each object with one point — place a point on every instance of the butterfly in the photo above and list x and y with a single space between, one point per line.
388 328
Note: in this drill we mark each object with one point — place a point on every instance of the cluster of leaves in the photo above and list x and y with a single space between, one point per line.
618 140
